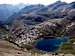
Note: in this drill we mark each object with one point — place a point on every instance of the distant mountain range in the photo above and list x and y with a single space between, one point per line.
33 14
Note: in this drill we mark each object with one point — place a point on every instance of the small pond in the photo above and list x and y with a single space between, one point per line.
50 44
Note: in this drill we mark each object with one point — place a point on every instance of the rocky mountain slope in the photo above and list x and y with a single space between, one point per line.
38 22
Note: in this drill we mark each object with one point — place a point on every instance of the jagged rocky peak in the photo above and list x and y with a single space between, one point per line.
57 2
72 4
